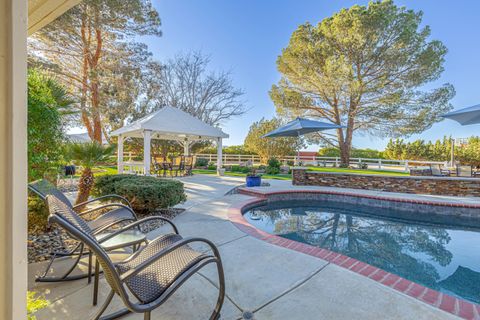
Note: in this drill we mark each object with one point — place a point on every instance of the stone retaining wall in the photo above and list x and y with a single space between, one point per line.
448 186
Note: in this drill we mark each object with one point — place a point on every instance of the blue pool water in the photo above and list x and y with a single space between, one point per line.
444 257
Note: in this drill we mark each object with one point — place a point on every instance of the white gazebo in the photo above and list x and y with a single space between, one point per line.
168 123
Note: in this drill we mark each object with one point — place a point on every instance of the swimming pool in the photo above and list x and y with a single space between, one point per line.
443 254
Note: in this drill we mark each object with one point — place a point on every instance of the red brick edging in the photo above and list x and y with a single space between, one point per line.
265 195
453 305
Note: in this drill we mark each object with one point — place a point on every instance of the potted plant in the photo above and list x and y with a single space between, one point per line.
253 180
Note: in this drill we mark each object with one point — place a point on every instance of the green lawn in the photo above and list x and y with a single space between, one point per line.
289 177
102 170
239 174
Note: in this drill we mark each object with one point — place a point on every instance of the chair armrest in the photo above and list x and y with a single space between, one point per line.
108 205
116 196
127 275
136 224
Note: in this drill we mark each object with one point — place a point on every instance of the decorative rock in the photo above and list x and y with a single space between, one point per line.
447 186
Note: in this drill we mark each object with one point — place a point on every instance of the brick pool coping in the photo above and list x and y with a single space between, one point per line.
265 195
445 302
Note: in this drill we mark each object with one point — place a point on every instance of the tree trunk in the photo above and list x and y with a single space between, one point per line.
85 184
84 93
345 142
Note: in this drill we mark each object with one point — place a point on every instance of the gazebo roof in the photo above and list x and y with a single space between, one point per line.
171 123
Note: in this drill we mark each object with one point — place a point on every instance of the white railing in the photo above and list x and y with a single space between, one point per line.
236 159
133 167
381 164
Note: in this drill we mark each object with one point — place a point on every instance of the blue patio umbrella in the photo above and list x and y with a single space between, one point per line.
465 116
300 127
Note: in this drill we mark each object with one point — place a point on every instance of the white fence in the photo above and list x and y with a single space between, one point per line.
130 165
380 164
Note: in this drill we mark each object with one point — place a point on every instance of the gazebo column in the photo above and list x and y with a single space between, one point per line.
186 148
147 137
219 155
120 154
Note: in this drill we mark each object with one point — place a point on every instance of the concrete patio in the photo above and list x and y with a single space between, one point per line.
269 281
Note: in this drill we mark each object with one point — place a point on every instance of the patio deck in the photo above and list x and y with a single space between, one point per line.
270 281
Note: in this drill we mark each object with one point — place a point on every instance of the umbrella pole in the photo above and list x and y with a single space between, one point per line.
298 151
452 152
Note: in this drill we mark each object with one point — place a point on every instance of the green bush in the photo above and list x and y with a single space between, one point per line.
212 166
37 214
146 194
240 169
273 166
47 101
201 162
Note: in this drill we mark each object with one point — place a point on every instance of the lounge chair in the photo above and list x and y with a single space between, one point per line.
437 171
119 213
146 279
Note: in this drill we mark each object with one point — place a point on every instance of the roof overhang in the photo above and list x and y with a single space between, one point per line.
158 135
42 12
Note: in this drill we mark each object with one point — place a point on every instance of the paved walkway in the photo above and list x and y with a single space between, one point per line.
269 281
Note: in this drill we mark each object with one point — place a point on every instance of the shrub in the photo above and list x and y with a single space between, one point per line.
212 166
37 214
201 162
240 169
362 165
273 166
146 194
46 101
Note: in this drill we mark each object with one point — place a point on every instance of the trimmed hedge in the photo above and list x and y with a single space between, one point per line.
146 194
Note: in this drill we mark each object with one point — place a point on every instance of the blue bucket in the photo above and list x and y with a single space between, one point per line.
254 181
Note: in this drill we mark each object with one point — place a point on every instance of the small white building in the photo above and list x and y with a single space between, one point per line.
168 123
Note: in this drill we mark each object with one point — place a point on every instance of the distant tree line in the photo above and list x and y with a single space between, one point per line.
440 150
396 149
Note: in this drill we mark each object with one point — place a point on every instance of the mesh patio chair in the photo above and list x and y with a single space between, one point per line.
146 279
119 213
177 166
161 166
188 165
437 171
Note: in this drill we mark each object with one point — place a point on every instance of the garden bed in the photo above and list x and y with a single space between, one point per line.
41 244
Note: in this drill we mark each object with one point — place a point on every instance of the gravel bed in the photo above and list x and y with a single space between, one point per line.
40 245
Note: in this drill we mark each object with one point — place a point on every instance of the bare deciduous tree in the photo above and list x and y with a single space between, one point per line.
185 82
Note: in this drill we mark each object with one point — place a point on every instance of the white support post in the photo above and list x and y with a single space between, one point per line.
186 148
219 155
147 135
120 154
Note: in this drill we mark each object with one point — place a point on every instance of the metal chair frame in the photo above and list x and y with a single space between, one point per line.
79 249
117 280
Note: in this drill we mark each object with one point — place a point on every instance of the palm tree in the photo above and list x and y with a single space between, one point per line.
87 155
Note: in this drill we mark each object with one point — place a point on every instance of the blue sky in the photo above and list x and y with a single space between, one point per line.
247 36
